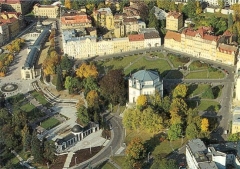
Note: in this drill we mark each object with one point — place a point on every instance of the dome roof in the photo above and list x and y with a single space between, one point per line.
145 75
76 129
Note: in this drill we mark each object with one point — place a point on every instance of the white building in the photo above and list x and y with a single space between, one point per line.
144 82
151 37
216 156
105 47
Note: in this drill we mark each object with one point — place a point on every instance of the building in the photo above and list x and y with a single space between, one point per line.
215 156
136 41
159 13
12 23
131 12
19 6
144 82
46 11
174 21
236 120
103 17
151 37
203 44
4 32
77 134
120 45
75 20
105 47
28 70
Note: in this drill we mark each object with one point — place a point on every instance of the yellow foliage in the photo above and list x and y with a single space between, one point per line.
1 65
68 4
10 57
204 124
85 71
92 98
2 74
80 103
142 100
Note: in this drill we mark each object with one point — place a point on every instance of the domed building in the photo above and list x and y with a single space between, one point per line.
77 134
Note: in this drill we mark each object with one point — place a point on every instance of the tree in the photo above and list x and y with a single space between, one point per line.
82 115
36 148
101 5
204 125
190 8
59 84
192 131
86 71
89 84
163 163
180 91
72 84
230 20
198 8
131 119
174 132
221 4
135 149
26 138
49 150
234 137
142 101
66 63
152 20
68 4
92 99
75 5
113 88
180 105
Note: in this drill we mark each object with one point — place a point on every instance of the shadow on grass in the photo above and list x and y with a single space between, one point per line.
174 74
154 141
191 89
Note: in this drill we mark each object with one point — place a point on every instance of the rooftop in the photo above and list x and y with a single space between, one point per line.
174 14
228 48
198 149
145 75
173 35
138 37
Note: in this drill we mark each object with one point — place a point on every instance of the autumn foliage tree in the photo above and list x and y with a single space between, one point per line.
204 125
92 98
180 91
142 101
87 70
135 149
68 4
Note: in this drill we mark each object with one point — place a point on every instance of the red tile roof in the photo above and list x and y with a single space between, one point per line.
174 14
138 37
227 48
173 35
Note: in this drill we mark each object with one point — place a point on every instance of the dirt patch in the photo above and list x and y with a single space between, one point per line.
59 163
84 154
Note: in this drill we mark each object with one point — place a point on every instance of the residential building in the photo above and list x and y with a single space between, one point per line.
105 47
1 40
20 6
92 31
4 31
236 118
144 82
12 23
28 69
151 37
202 43
75 20
136 41
215 156
46 11
104 18
174 21
120 45
159 13
78 133
131 12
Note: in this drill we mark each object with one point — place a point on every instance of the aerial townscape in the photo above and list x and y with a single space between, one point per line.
119 84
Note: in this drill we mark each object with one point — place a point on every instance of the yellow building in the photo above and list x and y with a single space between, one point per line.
23 7
174 21
120 45
103 17
46 11
201 43
136 41
236 120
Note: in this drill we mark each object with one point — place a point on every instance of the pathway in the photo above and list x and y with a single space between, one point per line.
22 162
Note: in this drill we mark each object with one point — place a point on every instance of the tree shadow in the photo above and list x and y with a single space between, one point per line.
191 89
154 141
174 74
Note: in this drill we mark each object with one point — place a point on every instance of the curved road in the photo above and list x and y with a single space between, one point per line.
110 148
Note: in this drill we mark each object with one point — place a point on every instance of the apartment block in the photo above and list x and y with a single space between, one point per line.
21 6
174 21
46 11
103 17
75 20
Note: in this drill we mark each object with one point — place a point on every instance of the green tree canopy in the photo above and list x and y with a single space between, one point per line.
163 163
192 131
83 116
174 132
66 63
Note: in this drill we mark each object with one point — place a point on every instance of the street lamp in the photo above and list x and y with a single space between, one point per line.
75 160
111 150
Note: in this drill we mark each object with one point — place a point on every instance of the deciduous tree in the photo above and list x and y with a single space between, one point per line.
180 91
192 131
66 63
92 99
68 4
174 132
142 101
83 115
204 125
59 84
135 149
85 71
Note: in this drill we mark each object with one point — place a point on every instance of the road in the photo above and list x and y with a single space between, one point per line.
111 148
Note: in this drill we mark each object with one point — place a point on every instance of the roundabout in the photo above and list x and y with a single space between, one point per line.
9 87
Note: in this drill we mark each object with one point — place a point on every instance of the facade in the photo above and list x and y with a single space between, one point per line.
144 82
201 43
28 71
77 134
46 11
75 20
120 45
104 18
4 31
131 12
174 21
136 41
20 6
215 156
105 47
13 24
151 37
236 120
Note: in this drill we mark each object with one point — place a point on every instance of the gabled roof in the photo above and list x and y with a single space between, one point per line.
145 75
138 37
173 35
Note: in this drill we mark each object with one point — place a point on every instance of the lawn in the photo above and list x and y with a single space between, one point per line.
39 97
50 123
142 134
32 112
161 65
157 54
208 105
27 107
107 166
197 65
205 74
197 89
119 160
177 60
164 148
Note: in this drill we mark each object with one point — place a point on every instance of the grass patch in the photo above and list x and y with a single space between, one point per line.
208 105
119 160
157 54
216 75
164 148
27 107
50 123
161 65
141 134
40 98
197 65
54 80
197 89
178 60
107 166
205 74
